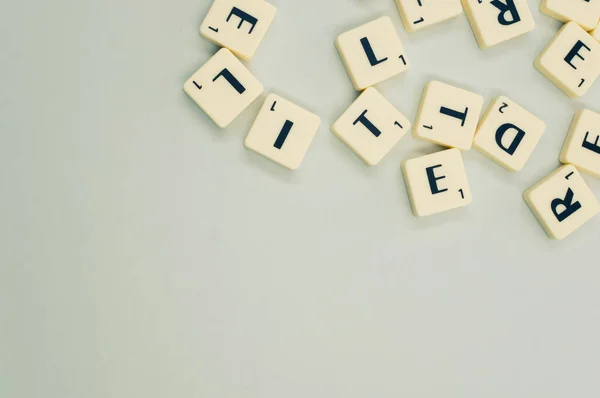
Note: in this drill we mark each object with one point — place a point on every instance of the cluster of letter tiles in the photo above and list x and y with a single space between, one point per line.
448 116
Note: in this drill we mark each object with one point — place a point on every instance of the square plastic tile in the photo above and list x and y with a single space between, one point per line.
282 131
239 25
571 61
372 53
585 12
371 126
562 202
582 145
494 22
508 133
448 115
596 32
419 14
436 182
223 88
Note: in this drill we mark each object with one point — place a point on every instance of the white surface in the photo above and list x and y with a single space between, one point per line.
147 253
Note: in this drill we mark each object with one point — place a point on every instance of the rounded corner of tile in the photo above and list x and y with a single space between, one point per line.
385 18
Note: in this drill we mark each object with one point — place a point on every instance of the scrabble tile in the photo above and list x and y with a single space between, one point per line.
582 145
562 202
372 53
448 115
508 134
585 12
436 182
239 25
495 21
371 126
282 131
223 88
596 32
419 14
571 61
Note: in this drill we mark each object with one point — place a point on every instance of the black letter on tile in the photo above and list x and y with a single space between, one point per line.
285 130
575 53
367 123
244 17
570 207
516 141
235 83
592 147
455 114
509 7
432 180
369 51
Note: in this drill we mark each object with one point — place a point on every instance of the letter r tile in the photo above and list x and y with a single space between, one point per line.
496 21
239 25
562 202
436 182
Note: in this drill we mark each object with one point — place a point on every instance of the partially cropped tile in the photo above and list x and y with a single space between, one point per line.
372 53
223 88
585 12
494 22
596 32
436 182
282 131
419 14
508 133
571 61
448 115
371 126
582 145
239 25
562 202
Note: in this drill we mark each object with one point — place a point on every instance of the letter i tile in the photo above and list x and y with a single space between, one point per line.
562 202
282 131
436 182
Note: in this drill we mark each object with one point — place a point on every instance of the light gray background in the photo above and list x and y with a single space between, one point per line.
146 253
